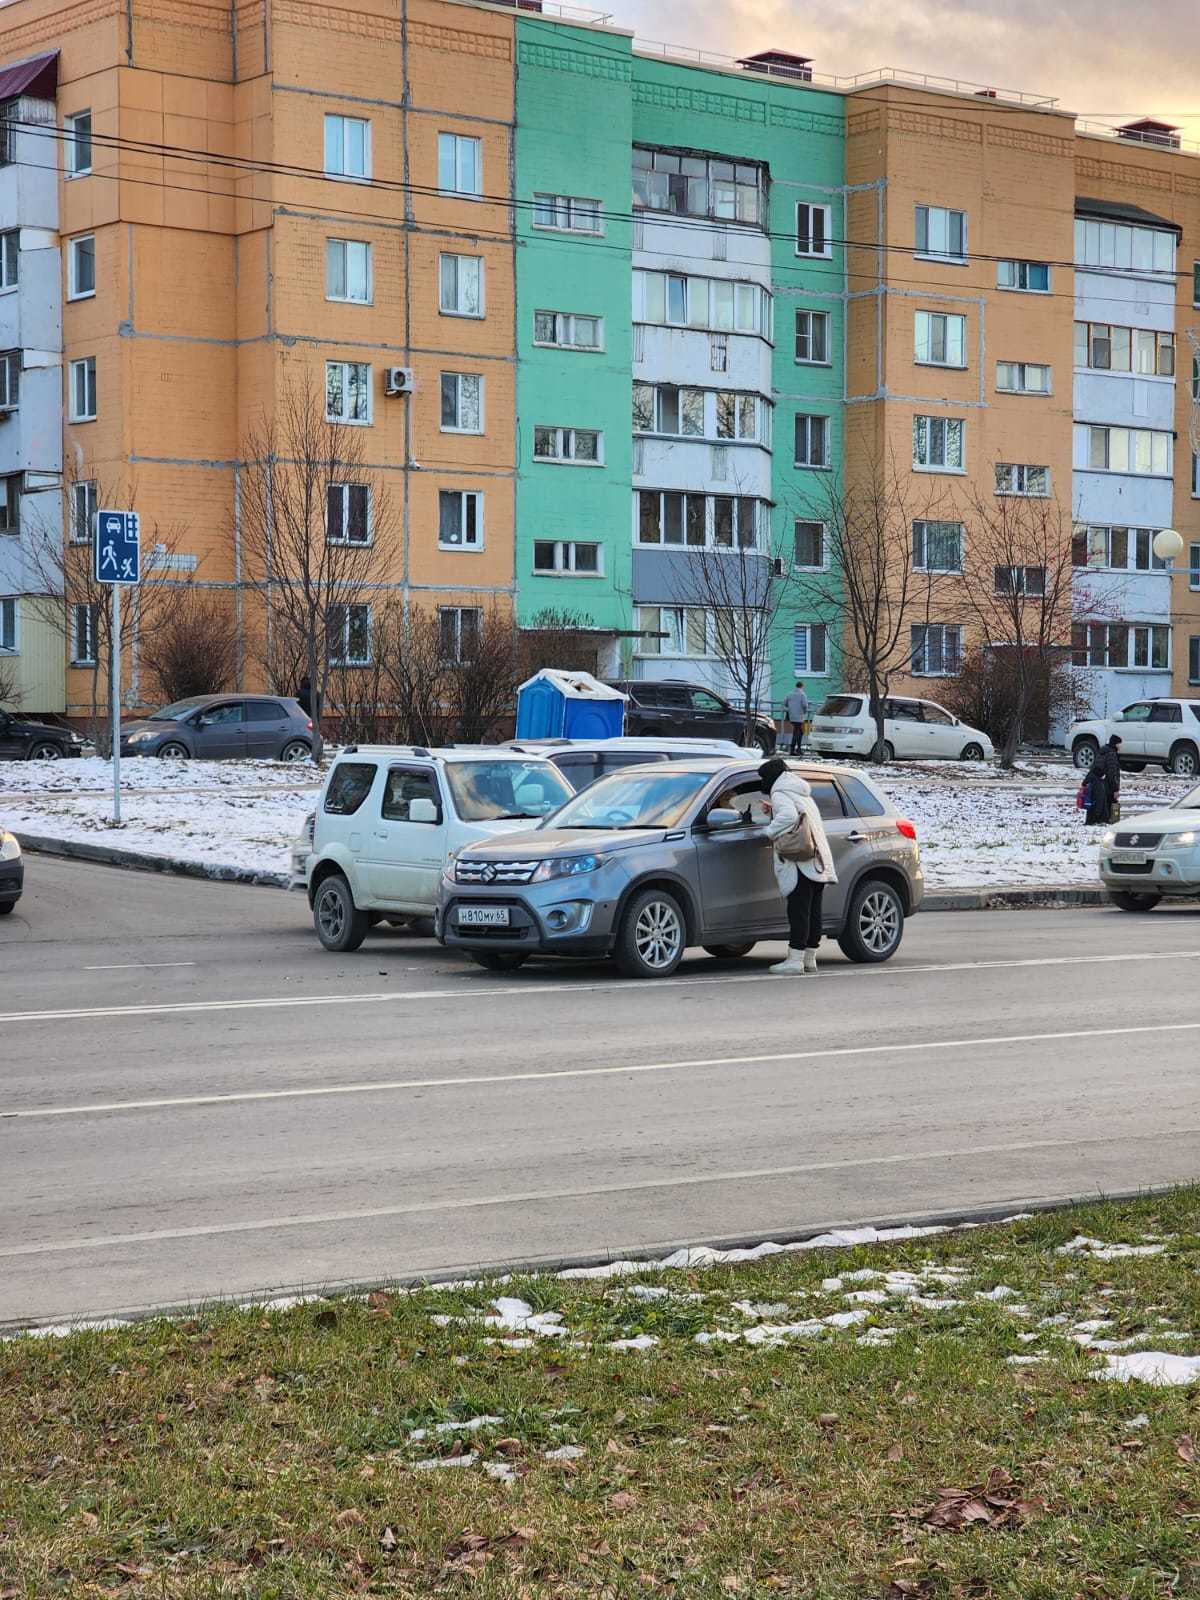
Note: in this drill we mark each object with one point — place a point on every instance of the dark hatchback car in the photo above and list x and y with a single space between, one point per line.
223 727
12 871
22 740
673 707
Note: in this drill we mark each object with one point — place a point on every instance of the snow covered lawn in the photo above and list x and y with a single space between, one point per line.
975 825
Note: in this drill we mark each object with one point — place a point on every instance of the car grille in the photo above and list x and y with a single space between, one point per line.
468 871
1133 869
1139 841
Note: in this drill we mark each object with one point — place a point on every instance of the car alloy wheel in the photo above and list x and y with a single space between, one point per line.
1084 754
973 752
46 751
331 916
295 750
1183 761
174 751
658 935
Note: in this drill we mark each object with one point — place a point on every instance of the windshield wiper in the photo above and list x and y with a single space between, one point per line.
513 816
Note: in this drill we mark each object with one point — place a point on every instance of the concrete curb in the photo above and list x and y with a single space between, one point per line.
112 856
1040 896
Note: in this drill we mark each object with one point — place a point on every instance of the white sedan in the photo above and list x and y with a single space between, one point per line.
1163 732
1154 856
913 730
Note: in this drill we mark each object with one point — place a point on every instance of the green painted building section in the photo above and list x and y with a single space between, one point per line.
583 100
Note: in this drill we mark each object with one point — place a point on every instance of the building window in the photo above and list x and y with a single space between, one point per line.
348 270
84 502
460 519
460 164
810 649
1194 566
1026 581
938 444
699 186
568 331
1022 377
670 517
460 286
1120 247
1196 377
936 650
348 513
81 267
10 111
812 441
582 446
1122 645
1116 549
937 546
684 413
566 557
1194 658
347 391
10 258
1032 277
1106 348
941 234
10 380
347 147
77 142
810 546
812 337
940 339
1134 450
10 503
718 352
566 213
8 627
462 402
459 629
83 635
814 229
673 631
83 390
718 304
1017 478
348 636
1195 476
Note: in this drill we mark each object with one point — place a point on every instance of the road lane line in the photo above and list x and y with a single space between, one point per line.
540 1196
140 966
404 1085
519 990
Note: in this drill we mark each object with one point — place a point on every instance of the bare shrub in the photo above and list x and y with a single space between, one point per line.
194 649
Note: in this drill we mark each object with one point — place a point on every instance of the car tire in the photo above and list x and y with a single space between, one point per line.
296 750
1184 760
8 908
46 750
340 925
1084 753
874 923
889 752
172 751
496 961
1131 900
766 743
973 752
1133 766
730 952
652 937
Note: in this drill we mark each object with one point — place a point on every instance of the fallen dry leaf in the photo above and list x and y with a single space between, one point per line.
622 1500
896 1453
388 1539
1185 1449
350 1518
731 1583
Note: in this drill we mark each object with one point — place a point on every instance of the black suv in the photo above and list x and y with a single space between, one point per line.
672 707
36 741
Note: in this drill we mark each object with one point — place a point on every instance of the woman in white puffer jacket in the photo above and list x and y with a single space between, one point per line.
801 883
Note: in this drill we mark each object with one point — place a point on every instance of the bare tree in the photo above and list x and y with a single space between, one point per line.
195 647
317 533
408 647
986 692
481 684
558 639
10 689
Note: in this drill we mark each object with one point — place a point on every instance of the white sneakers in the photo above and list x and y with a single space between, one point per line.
810 961
798 964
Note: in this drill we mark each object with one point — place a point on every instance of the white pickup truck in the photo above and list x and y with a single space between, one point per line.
390 815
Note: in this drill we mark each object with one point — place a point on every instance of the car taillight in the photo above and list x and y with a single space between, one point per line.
308 725
908 829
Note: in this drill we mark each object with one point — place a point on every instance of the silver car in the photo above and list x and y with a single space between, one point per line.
652 860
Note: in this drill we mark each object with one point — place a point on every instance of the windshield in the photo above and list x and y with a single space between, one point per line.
491 791
1189 801
177 711
634 799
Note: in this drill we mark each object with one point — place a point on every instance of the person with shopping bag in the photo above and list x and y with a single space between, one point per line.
803 863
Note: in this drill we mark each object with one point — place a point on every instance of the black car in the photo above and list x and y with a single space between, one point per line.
21 740
672 707
12 871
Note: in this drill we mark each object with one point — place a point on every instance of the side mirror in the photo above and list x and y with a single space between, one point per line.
725 817
1118 716
424 811
956 722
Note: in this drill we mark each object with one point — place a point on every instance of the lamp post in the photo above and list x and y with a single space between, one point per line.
1168 544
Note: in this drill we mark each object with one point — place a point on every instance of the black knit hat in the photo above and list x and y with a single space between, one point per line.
1114 741
770 771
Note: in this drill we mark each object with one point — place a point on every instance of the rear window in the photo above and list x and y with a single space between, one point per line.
861 798
841 705
349 785
265 711
829 801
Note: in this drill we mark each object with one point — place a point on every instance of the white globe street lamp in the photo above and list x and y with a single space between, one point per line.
1168 545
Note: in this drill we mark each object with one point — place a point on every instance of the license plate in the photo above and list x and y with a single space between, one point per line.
483 917
1131 858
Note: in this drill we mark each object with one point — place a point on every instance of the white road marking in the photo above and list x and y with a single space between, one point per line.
405 1085
518 990
540 1196
129 966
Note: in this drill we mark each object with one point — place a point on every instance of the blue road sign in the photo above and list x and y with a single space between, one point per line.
117 551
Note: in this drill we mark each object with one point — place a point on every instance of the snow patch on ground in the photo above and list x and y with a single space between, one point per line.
1158 1367
1097 1250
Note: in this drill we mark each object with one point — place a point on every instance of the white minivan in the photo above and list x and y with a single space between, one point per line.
913 730
388 818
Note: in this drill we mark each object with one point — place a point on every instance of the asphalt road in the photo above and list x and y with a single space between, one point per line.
196 1100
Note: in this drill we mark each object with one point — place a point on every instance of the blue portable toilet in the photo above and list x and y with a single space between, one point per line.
569 705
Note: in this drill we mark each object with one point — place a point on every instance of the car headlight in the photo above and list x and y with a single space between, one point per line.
10 847
566 867
1180 841
141 738
1108 838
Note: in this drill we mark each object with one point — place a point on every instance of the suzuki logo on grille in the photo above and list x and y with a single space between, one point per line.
488 873
1135 838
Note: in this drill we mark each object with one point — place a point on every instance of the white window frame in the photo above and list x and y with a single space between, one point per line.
10 380
924 340
920 664
1162 340
9 607
84 612
85 366
1018 481
806 566
462 543
340 174
810 631
1097 538
565 205
11 490
452 145
10 260
738 292
459 377
343 420
933 423
1017 287
681 631
344 490
921 541
346 246
1122 243
85 499
564 558
727 198
757 529
564 330
564 441
1132 434
815 319
806 214
1021 370
1014 580
74 141
944 256
452 311
343 658
1094 641
74 292
808 418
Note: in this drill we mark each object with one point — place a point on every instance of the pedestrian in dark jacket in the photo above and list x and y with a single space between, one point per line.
304 696
1105 783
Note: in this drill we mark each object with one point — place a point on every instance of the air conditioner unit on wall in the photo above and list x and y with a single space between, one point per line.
398 380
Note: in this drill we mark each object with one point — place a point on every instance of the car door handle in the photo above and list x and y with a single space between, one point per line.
856 837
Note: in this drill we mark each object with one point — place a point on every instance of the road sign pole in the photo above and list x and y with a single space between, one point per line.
115 670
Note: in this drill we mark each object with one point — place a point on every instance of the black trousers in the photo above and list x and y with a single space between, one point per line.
804 914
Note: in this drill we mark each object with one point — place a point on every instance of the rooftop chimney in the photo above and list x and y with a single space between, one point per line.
1148 131
986 94
779 64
